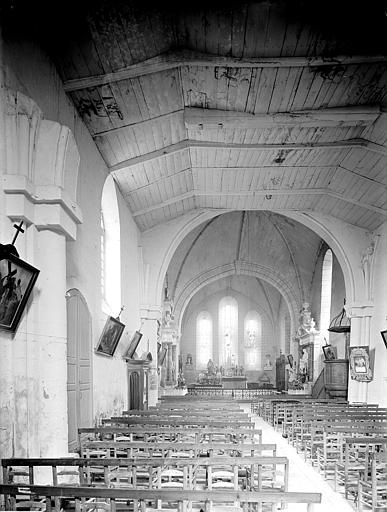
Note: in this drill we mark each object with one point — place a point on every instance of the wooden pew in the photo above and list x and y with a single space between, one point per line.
134 500
244 473
167 449
185 413
146 432
178 422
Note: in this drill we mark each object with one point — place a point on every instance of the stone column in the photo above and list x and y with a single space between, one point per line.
150 315
175 365
52 336
169 380
360 336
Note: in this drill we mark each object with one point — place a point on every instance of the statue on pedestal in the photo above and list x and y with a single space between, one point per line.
307 324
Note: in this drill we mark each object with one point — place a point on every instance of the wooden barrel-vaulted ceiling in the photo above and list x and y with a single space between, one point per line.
234 106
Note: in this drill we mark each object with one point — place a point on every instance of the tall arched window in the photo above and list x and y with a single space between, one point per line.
110 250
204 350
228 332
253 341
326 292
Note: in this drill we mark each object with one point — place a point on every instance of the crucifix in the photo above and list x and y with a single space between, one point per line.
121 310
19 229
7 249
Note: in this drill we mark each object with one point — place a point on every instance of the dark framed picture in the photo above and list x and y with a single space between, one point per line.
359 363
17 279
384 336
133 345
290 360
161 357
110 337
329 352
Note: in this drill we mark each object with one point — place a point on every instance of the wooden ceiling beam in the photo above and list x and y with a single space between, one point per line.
209 119
212 119
144 124
256 193
174 59
192 144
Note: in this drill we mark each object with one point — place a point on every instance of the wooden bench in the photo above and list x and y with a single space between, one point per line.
178 422
244 473
183 413
167 449
92 498
148 433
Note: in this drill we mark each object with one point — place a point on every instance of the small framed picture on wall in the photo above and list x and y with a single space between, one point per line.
329 352
384 336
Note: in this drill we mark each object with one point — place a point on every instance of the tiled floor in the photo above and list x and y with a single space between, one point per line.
302 476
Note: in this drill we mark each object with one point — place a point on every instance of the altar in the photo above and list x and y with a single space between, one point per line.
234 382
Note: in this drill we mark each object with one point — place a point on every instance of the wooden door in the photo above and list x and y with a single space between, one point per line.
280 365
79 382
134 391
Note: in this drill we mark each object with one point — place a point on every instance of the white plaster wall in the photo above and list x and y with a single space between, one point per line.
27 69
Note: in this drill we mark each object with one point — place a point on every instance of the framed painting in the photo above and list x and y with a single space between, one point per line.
136 338
110 337
329 352
359 364
17 279
384 336
290 360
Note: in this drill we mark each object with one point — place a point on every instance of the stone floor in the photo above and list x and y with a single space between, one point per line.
302 476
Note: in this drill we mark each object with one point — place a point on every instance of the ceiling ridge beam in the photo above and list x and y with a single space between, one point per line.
255 193
214 119
192 144
183 57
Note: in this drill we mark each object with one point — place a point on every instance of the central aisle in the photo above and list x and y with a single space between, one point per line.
302 476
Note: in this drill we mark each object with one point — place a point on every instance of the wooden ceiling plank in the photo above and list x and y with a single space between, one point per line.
275 31
266 85
373 86
238 30
314 90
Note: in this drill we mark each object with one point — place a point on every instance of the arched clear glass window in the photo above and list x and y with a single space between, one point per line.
204 350
110 250
253 341
326 295
228 332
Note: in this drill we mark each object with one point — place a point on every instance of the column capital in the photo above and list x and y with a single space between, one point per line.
48 207
150 312
356 310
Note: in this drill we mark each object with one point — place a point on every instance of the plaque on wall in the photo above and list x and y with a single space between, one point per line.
359 363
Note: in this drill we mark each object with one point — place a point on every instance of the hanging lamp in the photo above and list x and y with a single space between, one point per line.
340 323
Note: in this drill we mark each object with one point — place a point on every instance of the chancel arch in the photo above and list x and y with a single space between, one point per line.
266 274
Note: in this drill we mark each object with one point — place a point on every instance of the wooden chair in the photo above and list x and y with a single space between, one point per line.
372 491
